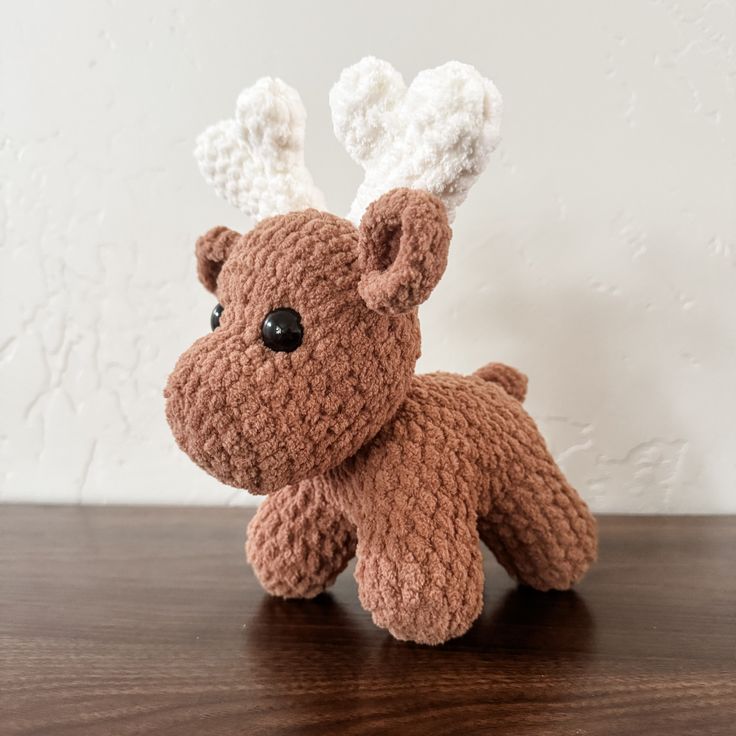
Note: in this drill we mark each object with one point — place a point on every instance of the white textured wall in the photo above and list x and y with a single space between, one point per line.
598 252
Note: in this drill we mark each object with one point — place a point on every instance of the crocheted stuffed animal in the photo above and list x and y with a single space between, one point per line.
305 389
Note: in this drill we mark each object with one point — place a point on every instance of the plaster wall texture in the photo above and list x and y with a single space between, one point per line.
597 253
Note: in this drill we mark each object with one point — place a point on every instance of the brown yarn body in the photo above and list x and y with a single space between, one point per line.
359 455
461 460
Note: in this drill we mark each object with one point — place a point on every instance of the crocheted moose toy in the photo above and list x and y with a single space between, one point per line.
305 389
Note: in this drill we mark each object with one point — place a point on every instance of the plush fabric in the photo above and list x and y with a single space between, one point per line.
259 419
402 251
212 250
436 135
256 160
358 454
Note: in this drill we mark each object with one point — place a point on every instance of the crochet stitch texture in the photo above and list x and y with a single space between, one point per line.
360 456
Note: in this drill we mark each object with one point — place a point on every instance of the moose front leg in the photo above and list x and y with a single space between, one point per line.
298 543
420 571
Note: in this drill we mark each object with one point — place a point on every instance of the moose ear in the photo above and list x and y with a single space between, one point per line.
212 250
404 239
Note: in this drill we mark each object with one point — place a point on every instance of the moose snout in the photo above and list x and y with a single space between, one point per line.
227 417
207 420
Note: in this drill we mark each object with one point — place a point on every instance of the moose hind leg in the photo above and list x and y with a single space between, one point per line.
538 527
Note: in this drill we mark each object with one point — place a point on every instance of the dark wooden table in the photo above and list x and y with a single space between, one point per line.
134 621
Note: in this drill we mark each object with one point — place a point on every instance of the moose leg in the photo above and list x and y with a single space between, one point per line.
420 572
298 543
537 526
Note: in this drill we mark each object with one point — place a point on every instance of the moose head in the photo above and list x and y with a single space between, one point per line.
316 335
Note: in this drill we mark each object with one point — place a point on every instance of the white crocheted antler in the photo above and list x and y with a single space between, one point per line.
436 135
256 160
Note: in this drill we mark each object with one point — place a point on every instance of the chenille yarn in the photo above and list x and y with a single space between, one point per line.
359 455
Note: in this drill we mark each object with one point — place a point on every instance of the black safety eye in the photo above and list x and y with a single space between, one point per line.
282 330
215 316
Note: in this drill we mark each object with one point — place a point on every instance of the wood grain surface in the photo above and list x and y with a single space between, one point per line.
135 621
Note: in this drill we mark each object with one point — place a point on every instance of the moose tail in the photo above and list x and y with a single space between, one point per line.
509 379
